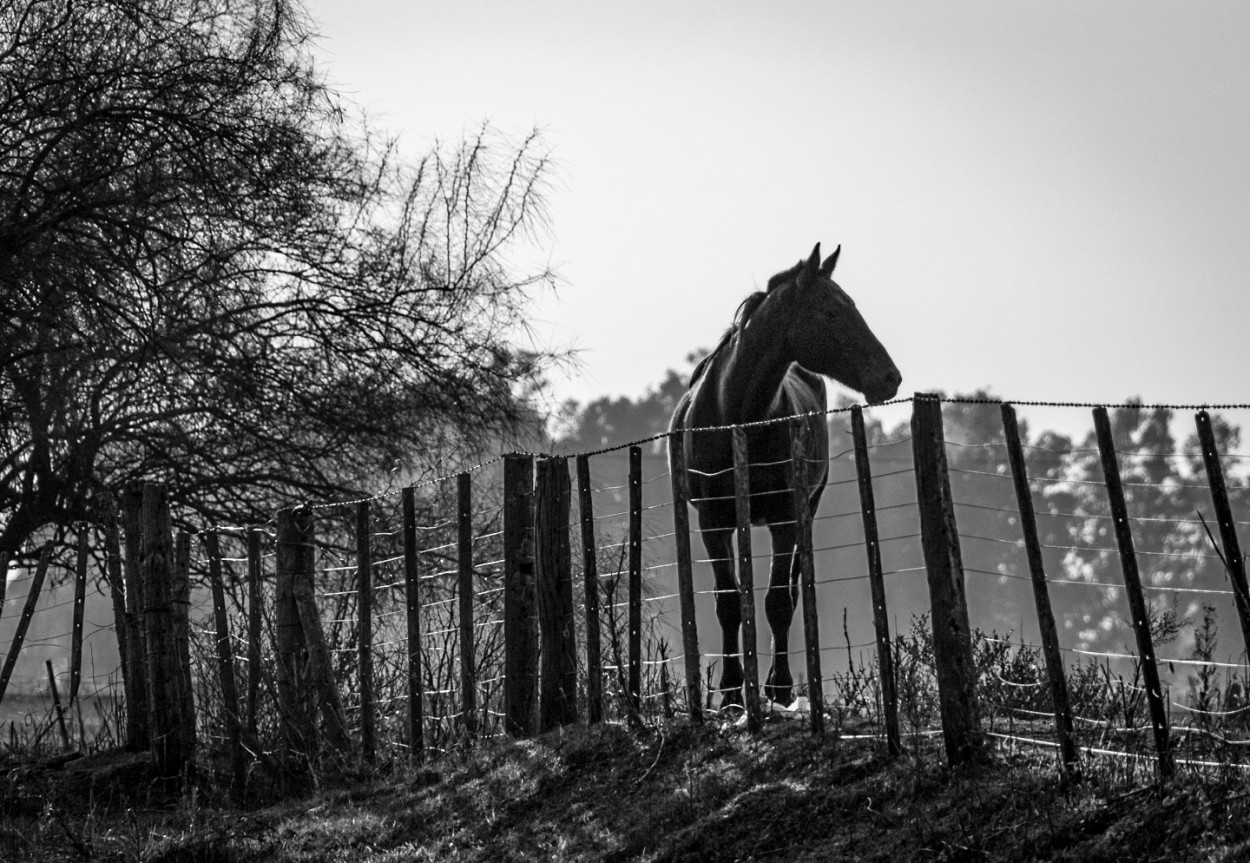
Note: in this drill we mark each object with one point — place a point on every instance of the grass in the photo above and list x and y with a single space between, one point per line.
656 794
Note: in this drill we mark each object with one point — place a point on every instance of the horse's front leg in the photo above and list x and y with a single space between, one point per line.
779 605
719 545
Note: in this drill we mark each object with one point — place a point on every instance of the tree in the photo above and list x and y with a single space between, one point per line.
209 278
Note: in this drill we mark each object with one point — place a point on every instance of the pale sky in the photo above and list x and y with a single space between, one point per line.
1048 199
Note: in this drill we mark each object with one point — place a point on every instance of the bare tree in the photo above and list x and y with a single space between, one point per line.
208 277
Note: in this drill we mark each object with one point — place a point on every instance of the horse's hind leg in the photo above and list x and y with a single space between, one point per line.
718 543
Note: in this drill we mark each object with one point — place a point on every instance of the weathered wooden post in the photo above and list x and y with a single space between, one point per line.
1132 585
1234 562
255 566
746 578
685 578
157 562
464 572
56 704
952 633
520 633
225 666
23 622
293 554
319 668
364 630
590 583
876 581
138 721
80 596
135 694
807 572
554 575
180 612
416 693
1041 592
635 579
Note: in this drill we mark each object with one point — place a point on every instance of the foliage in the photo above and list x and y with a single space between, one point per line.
211 279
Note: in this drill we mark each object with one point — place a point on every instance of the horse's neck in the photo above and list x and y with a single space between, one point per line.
747 377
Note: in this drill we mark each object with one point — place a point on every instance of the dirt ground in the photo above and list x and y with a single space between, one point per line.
712 793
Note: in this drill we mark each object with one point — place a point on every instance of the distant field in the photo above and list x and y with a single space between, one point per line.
25 717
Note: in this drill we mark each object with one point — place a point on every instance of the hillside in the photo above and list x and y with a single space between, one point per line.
706 794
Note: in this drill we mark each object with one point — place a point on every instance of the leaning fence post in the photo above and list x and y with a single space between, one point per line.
590 581
23 622
635 579
807 571
412 604
138 712
80 596
746 577
520 634
364 629
1132 585
1233 560
952 635
554 576
876 580
134 694
1041 592
255 565
685 575
225 665
464 574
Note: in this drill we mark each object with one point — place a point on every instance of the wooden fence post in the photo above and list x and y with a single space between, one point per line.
169 738
1132 585
1041 592
807 572
138 716
1234 562
685 576
520 633
23 622
255 565
80 597
364 630
320 667
134 694
876 581
746 578
952 635
56 704
412 605
293 554
590 583
180 613
225 666
464 571
635 579
554 575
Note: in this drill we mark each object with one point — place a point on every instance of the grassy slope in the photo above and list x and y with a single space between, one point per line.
606 794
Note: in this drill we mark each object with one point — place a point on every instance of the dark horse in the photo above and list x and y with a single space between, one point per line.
768 366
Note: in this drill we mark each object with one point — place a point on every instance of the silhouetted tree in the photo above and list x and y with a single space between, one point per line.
209 278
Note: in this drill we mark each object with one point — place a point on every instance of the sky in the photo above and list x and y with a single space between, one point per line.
1049 200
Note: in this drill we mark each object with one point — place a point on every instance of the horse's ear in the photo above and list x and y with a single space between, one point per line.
826 269
813 263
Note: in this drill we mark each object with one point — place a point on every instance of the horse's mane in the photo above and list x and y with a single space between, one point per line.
745 309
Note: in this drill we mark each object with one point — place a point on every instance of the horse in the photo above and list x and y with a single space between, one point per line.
768 366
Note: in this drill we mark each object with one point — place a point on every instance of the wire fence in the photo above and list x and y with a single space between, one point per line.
1192 604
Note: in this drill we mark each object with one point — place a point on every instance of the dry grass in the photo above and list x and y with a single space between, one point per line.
606 793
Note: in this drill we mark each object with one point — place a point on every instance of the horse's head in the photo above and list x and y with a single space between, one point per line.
829 336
